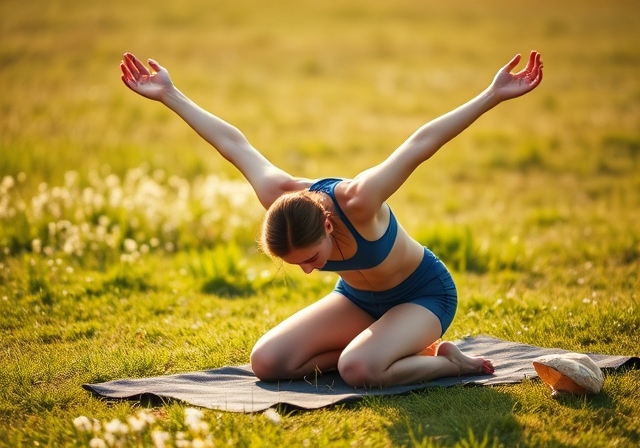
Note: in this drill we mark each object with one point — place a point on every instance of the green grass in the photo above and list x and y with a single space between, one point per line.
127 246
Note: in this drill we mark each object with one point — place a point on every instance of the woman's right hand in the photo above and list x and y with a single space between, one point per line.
153 85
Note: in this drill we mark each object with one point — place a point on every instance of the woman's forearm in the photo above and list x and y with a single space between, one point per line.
223 136
433 135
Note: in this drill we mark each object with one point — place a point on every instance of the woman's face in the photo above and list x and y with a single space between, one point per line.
312 257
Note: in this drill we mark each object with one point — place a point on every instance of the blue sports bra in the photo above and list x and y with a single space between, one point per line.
369 253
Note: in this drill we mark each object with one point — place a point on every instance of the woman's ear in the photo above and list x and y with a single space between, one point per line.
328 225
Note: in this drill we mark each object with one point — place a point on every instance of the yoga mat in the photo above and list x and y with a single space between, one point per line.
236 389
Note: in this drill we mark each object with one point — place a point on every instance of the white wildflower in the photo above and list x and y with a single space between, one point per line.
71 178
36 245
83 424
200 443
136 424
147 416
116 427
97 442
193 418
110 438
112 181
130 245
273 416
7 183
160 438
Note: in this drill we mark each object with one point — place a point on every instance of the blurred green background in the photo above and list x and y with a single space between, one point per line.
127 244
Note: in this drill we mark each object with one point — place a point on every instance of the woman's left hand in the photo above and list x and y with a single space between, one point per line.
507 85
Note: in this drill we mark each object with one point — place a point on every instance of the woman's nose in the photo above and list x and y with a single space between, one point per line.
307 268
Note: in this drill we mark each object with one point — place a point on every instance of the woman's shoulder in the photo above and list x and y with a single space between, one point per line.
356 205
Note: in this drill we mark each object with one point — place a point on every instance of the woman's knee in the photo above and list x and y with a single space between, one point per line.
358 371
266 362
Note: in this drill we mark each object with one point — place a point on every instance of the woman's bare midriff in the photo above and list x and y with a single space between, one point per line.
404 258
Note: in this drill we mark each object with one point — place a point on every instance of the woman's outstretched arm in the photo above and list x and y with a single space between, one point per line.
372 187
268 181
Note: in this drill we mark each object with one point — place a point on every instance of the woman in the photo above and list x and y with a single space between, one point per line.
394 298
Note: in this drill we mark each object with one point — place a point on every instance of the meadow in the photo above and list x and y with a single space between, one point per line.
127 245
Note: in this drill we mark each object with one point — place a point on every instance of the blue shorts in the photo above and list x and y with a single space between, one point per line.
430 286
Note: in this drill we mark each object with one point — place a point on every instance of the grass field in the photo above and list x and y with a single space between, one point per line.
127 245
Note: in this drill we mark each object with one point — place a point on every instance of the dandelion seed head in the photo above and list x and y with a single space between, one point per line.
273 416
116 427
198 443
83 424
71 178
7 183
192 415
136 424
130 245
147 416
160 438
110 439
97 442
112 181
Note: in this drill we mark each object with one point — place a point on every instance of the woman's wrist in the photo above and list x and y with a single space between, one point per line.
173 98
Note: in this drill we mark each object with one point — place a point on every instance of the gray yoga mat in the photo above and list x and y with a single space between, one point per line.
236 389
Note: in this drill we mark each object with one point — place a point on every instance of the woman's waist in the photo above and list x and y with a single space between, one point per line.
394 271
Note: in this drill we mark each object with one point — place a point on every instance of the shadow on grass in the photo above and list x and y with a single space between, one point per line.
601 401
474 416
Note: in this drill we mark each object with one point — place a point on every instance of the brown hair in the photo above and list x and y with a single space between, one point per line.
294 221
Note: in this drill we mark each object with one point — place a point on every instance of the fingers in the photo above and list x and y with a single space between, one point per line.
126 81
533 57
127 77
139 65
538 78
512 64
154 65
534 69
129 67
135 68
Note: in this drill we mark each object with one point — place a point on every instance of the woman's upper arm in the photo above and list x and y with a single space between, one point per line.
274 183
366 192
267 180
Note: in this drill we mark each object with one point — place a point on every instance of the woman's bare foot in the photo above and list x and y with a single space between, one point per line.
466 364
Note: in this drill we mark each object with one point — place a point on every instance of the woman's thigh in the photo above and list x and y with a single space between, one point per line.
402 331
313 337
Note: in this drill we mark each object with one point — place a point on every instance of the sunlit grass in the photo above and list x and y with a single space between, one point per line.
127 245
